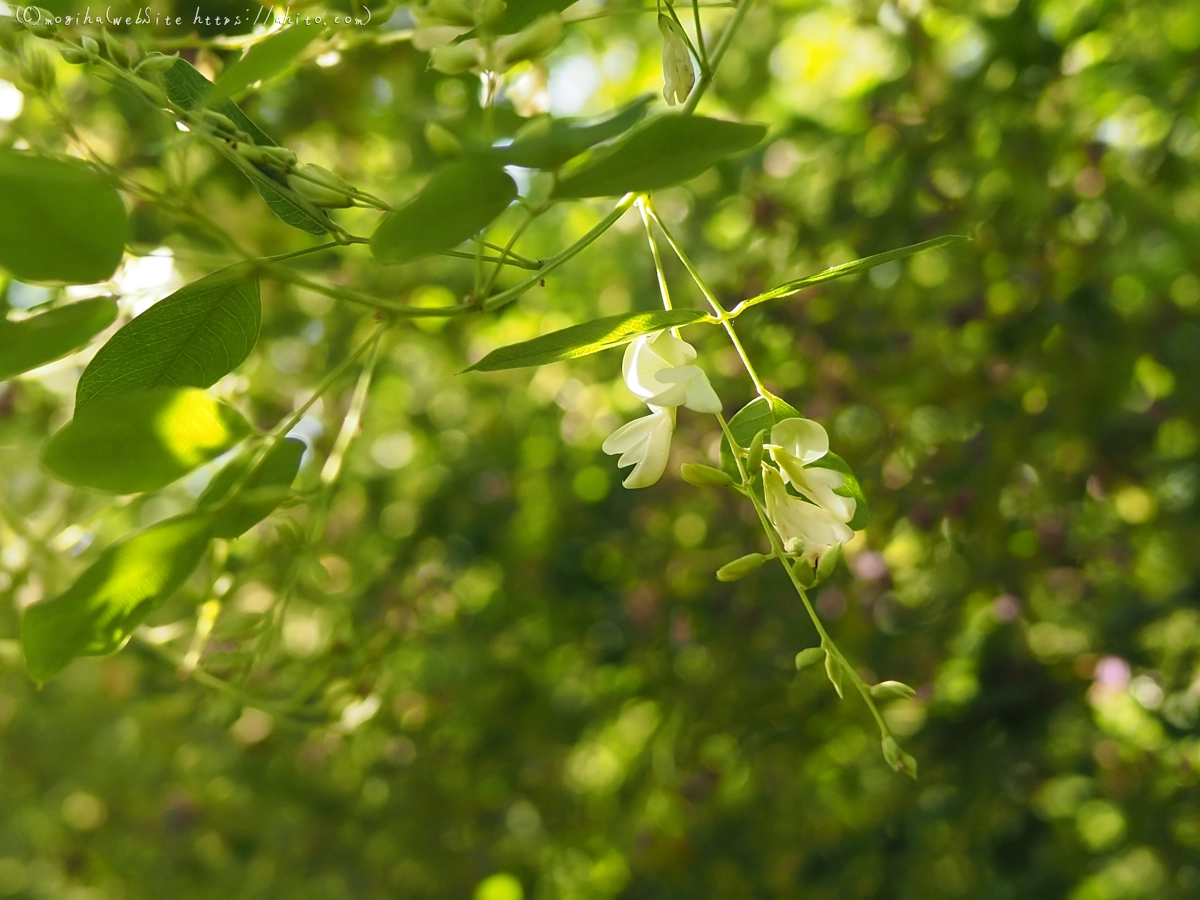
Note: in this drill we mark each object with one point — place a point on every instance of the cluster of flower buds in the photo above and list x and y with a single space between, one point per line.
35 69
441 24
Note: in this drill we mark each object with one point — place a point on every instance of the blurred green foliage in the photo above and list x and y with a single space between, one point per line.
531 684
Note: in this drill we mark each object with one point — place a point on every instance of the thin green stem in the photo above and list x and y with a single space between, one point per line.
397 309
658 264
722 315
706 77
508 296
700 36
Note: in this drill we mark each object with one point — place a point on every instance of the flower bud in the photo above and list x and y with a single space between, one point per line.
891 690
442 139
90 45
828 562
678 74
308 180
454 59
280 158
42 23
459 12
157 64
741 567
754 456
488 13
218 122
809 656
115 49
835 673
704 476
252 154
73 55
897 758
537 40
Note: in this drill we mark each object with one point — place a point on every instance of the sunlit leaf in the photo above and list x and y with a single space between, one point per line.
258 495
583 340
97 614
59 220
188 88
457 203
564 139
667 150
52 335
192 338
757 415
142 441
518 14
266 58
858 265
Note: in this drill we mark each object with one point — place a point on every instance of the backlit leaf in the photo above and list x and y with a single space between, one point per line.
583 340
457 203
97 614
564 139
142 441
192 338
258 495
59 220
266 58
667 150
188 88
858 265
52 335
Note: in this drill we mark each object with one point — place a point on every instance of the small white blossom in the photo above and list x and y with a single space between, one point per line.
804 527
678 74
659 370
797 444
645 444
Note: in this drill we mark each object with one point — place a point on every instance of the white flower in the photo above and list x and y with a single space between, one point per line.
803 527
658 370
678 74
799 442
645 444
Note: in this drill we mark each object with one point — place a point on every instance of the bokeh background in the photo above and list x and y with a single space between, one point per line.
497 674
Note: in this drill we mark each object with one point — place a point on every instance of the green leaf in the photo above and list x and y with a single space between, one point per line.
584 340
142 441
833 669
264 59
858 265
667 150
59 220
98 613
565 139
188 88
518 14
259 495
458 202
757 415
192 338
52 335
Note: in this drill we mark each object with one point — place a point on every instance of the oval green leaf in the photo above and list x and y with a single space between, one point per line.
665 151
583 340
142 441
189 89
192 338
850 268
59 220
265 59
97 614
458 202
564 139
52 335
258 495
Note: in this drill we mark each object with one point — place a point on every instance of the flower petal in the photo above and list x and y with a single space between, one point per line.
802 438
